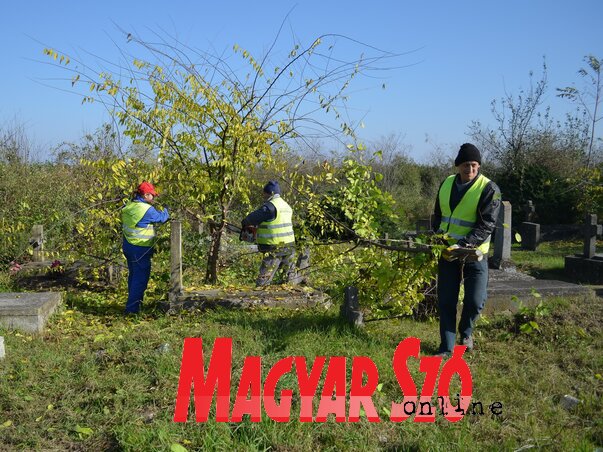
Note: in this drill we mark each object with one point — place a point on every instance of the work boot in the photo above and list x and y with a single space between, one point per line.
443 354
468 341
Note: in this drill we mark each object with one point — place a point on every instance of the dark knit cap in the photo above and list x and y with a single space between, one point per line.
468 153
272 187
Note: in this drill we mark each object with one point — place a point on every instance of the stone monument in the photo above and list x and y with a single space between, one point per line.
588 266
530 235
501 258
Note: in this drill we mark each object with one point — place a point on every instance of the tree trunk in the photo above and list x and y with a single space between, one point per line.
211 272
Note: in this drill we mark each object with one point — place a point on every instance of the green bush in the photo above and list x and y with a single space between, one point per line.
35 193
555 197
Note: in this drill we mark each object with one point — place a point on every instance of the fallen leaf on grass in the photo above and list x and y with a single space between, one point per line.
81 431
6 424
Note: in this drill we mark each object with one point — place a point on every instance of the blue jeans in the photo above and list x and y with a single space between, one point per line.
475 280
139 272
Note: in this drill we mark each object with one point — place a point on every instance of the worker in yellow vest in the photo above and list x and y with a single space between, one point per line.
466 210
274 235
138 217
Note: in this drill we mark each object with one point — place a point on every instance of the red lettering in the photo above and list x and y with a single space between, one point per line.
406 348
282 412
456 365
363 394
335 381
364 381
251 380
191 374
307 384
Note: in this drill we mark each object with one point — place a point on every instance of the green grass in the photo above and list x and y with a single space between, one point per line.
547 262
97 381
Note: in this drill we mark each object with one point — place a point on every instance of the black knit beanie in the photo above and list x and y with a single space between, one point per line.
272 188
468 153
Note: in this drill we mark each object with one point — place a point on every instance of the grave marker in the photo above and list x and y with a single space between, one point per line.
588 266
27 311
530 211
530 236
350 310
502 238
591 230
37 241
175 261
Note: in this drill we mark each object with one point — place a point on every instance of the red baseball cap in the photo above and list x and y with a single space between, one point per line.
147 187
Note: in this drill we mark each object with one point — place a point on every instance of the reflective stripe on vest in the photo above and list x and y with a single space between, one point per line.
131 214
280 230
460 222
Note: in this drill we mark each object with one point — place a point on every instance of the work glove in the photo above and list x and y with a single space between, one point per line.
449 253
455 252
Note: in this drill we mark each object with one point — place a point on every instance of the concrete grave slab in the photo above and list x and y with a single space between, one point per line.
291 298
507 289
28 311
588 266
583 269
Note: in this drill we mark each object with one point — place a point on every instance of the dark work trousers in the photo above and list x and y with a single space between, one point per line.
280 258
475 280
139 271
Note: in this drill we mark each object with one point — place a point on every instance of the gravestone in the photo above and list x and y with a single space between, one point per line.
2 352
530 236
175 261
530 211
27 311
197 226
590 230
423 225
39 260
588 266
37 242
350 310
502 238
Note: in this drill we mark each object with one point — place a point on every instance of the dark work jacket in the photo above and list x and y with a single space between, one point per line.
488 207
266 212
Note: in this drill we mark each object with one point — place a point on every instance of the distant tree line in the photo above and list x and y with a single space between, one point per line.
556 163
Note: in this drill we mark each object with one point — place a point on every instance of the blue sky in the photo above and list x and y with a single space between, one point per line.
464 55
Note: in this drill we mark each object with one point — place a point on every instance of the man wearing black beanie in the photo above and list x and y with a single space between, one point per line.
468 153
274 236
466 210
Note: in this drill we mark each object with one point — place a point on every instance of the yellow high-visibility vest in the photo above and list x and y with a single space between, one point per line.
280 230
461 221
131 214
